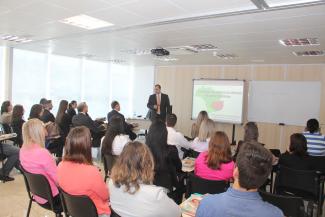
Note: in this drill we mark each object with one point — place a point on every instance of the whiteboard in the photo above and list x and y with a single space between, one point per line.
288 102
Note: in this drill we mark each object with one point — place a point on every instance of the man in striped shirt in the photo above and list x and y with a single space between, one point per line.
315 140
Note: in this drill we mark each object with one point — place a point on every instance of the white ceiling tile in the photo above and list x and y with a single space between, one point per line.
118 16
154 11
81 6
214 6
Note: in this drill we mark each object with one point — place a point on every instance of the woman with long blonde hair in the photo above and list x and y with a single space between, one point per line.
132 191
35 158
203 115
201 142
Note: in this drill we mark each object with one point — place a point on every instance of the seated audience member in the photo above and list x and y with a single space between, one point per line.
174 137
115 139
17 122
34 158
297 157
131 188
78 176
116 112
36 112
254 164
83 119
63 119
207 129
168 166
11 152
72 108
250 135
216 163
47 115
6 112
203 115
315 140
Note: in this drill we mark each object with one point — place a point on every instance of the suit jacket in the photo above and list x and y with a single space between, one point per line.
127 127
164 106
47 116
82 119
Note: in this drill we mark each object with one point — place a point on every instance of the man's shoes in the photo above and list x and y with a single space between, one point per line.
6 178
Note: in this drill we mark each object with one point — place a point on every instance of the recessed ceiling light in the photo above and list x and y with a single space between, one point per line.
299 42
203 47
137 51
225 56
15 38
86 22
309 53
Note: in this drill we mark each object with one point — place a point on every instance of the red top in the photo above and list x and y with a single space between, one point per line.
83 179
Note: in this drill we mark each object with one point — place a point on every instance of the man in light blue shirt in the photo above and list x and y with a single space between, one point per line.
254 164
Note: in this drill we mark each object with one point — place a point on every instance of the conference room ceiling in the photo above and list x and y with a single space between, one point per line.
244 31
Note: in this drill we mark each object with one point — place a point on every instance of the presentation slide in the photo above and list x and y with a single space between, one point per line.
222 99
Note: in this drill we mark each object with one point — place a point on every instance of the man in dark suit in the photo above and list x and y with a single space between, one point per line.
158 104
83 119
116 113
47 115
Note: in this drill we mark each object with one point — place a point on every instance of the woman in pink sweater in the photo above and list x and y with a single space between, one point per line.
216 163
34 158
78 176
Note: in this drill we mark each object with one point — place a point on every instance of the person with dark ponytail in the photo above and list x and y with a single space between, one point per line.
315 139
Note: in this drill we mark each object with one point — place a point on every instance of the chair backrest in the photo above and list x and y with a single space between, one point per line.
301 183
109 161
78 205
275 152
290 206
38 185
193 154
317 163
203 186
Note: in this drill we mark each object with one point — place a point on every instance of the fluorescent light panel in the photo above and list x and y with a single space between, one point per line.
277 3
86 22
309 53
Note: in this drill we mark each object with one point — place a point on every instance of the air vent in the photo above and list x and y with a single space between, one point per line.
203 47
309 53
299 42
15 38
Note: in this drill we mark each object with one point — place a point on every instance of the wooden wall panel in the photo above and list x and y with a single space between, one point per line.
176 81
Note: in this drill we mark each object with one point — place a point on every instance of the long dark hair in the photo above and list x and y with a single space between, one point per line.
115 128
71 103
4 106
17 113
157 142
35 111
298 145
61 111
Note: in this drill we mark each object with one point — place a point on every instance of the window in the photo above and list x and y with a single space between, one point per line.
2 75
143 84
29 78
121 87
38 75
64 80
96 88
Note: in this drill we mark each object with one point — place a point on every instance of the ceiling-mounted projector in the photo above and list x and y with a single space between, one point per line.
159 52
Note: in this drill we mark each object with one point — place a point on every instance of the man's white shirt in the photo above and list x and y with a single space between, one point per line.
177 139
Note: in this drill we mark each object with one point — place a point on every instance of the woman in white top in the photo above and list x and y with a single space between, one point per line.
115 138
131 191
201 142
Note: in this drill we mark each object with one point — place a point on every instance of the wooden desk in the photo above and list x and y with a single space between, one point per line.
4 137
